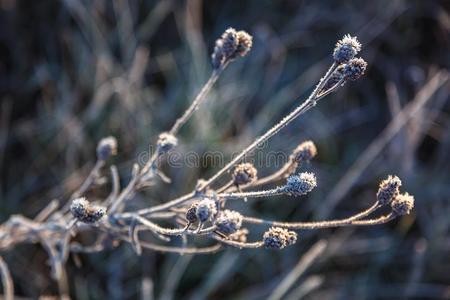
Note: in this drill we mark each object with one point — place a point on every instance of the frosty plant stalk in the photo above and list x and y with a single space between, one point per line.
204 211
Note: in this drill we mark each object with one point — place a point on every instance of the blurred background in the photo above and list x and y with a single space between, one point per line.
74 71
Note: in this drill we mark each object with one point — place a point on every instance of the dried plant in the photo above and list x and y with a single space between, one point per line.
203 211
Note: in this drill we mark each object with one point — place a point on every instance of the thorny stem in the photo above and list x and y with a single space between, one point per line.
305 106
197 101
323 224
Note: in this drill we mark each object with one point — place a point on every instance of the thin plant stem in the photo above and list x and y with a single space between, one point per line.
237 244
197 101
256 194
322 224
8 286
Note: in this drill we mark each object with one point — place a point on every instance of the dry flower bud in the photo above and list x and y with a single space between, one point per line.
279 238
388 190
206 209
354 69
228 221
244 173
166 142
305 152
346 49
191 213
231 44
302 184
106 148
402 204
83 211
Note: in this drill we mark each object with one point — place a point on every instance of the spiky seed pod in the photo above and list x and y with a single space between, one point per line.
191 213
83 211
304 152
206 210
346 49
239 236
244 173
335 77
106 147
231 44
389 189
166 142
302 184
402 204
228 221
279 238
355 69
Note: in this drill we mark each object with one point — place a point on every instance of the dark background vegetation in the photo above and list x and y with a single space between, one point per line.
74 71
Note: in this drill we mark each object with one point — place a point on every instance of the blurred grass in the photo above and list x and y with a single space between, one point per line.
74 71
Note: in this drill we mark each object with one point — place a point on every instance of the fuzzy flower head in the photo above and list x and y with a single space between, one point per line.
206 210
230 45
244 173
106 148
228 221
302 184
388 190
83 211
305 152
402 204
279 238
346 49
166 142
354 69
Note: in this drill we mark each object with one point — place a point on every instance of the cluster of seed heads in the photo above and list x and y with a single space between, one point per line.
244 173
349 66
389 193
106 148
230 45
279 238
84 212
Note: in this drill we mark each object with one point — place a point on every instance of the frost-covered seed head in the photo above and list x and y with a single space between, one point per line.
106 148
191 213
388 190
244 173
206 210
346 49
279 238
355 69
402 204
302 184
83 211
305 152
335 77
228 221
166 142
231 44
